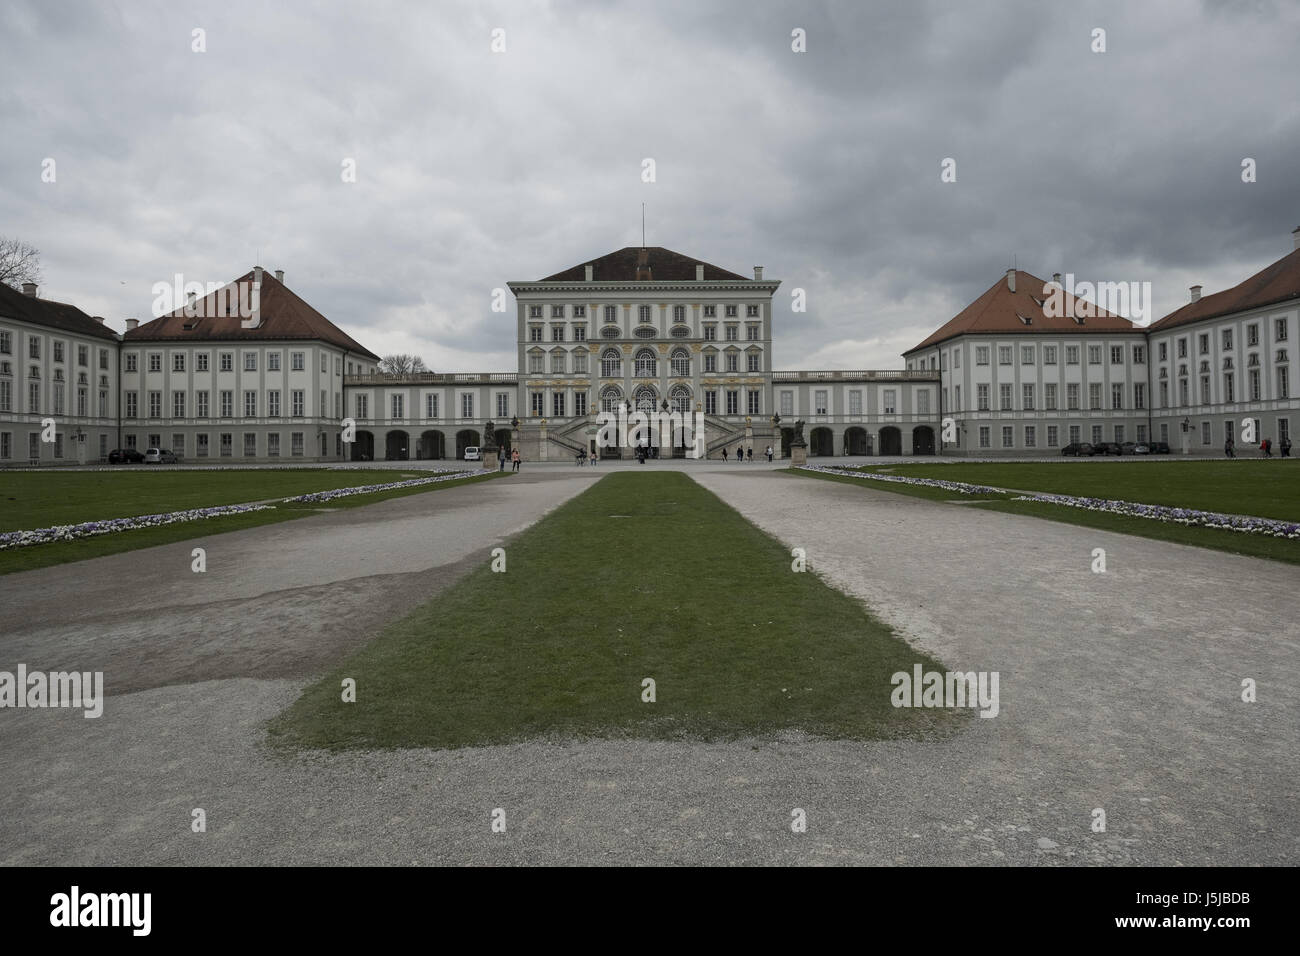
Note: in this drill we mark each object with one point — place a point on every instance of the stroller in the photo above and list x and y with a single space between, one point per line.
580 458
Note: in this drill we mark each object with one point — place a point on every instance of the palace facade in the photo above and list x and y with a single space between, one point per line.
646 328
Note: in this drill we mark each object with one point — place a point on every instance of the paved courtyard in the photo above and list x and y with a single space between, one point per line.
1118 691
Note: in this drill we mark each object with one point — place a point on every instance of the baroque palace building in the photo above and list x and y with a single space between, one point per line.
645 328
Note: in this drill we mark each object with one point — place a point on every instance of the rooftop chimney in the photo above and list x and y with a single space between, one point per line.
257 274
643 265
98 318
279 276
1011 279
699 272
131 324
29 288
1196 292
1056 277
590 271
1295 237
758 273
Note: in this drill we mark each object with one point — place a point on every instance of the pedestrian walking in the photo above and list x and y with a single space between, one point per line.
595 456
514 458
740 453
749 454
724 452
1286 447
1228 449
769 454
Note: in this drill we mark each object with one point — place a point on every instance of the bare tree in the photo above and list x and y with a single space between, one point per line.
19 263
402 364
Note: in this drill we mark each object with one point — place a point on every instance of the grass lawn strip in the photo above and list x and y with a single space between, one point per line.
642 576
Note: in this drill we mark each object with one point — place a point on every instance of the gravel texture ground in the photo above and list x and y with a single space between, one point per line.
1118 691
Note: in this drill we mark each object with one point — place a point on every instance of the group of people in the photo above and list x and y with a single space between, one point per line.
583 458
743 454
505 456
1265 448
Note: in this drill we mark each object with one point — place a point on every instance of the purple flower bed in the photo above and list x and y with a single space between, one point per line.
87 529
317 496
1245 524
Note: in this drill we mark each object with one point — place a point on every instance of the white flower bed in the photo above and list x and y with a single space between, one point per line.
88 529
1268 527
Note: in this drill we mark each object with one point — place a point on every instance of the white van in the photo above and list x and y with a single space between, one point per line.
472 453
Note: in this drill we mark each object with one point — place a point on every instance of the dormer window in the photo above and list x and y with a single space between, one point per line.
1024 319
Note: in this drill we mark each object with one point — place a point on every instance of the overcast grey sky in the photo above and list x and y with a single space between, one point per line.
475 168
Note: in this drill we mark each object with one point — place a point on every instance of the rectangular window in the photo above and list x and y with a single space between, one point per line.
6 343
178 362
6 445
250 404
710 363
1072 396
1228 395
557 333
579 404
820 401
751 332
1227 342
1094 354
1004 354
1116 355
1096 434
534 333
397 406
227 444
6 396
982 397
34 397
1283 382
273 403
787 403
557 363
297 363
178 404
1119 434
227 404
227 361
1072 355
1027 397
1031 436
710 402
155 361
132 404
751 400
755 362
710 311
534 311
733 333
273 365
467 405
557 404
1026 355
1139 355
557 311
1116 396
1279 330
298 399
733 396
1053 436
1094 395
855 402
1004 397
923 402
273 445
1049 396
1139 395
1205 433
890 401
250 445
1253 379
580 363
295 444
503 404
981 355
201 404
363 407
201 362
729 311
155 404
579 332
984 436
537 399
732 360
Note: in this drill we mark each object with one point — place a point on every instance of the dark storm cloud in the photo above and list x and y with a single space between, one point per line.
477 168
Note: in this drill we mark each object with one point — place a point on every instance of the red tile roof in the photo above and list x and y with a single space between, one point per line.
284 316
665 266
52 315
999 310
1279 282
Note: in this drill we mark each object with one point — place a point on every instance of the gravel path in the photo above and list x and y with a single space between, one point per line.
1112 695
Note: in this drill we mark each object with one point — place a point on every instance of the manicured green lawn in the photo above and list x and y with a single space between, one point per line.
642 576
1265 489
39 499
1261 488
124 494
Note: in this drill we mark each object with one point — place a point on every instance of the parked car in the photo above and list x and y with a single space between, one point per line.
1160 448
1141 449
159 456
1105 448
472 453
124 456
1077 448
1128 448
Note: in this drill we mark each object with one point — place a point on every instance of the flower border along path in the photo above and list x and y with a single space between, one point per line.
1245 524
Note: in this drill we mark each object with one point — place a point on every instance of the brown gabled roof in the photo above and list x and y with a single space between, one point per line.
621 266
284 315
1279 282
1001 310
52 315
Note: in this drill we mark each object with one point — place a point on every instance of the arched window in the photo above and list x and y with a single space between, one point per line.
680 363
611 396
646 364
645 398
611 363
679 397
